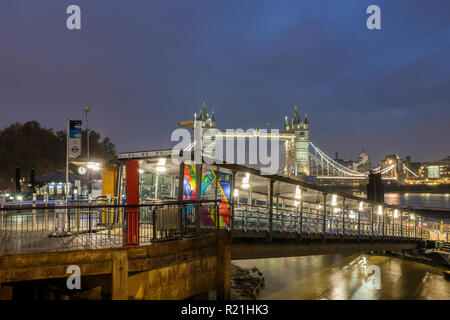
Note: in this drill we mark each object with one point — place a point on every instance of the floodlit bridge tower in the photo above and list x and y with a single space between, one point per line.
297 149
206 122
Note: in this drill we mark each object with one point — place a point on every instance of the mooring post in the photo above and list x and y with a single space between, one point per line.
223 268
119 283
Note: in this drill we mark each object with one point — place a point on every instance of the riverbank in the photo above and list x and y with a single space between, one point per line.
345 277
430 257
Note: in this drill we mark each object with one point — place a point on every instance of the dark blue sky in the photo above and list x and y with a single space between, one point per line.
145 65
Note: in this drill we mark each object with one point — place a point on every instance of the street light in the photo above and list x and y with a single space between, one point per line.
161 165
86 110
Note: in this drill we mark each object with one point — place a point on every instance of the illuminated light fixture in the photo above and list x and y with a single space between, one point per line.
19 198
380 210
93 166
246 181
82 170
334 200
7 195
395 213
319 207
236 193
298 193
161 165
296 203
162 162
412 217
361 206
141 171
336 210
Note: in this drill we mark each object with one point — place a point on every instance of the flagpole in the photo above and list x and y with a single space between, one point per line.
67 160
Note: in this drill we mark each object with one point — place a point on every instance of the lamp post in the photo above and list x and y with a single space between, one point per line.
86 110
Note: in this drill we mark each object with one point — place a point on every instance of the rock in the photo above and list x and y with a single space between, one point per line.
245 283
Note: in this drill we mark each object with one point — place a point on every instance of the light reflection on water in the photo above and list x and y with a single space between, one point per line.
418 199
340 277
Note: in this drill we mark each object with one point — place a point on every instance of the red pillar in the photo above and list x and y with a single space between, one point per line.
131 231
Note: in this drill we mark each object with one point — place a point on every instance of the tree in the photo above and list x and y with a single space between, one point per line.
29 146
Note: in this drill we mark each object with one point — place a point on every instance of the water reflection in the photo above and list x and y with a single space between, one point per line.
340 277
418 199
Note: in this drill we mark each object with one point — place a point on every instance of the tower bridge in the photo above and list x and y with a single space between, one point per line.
303 157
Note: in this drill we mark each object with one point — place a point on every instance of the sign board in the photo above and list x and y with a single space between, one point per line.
74 138
144 154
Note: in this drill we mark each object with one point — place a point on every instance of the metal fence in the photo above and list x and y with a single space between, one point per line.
92 225
311 221
80 225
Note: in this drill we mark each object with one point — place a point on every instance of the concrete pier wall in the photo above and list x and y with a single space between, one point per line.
171 270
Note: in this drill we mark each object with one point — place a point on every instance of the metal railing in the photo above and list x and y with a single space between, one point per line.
82 225
311 221
92 225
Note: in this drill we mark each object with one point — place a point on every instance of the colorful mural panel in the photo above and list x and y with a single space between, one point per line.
209 180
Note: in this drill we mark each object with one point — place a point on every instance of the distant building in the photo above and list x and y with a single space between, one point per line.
363 164
439 170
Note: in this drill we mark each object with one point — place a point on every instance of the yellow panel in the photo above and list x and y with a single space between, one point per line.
109 178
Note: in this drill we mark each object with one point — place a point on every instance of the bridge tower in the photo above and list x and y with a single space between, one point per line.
206 122
297 149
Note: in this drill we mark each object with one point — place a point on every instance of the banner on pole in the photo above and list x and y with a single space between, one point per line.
74 138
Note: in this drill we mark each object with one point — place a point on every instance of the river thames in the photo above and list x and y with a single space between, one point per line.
338 276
